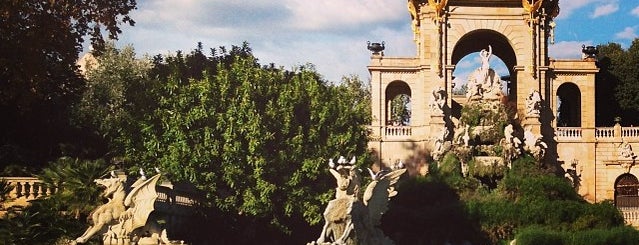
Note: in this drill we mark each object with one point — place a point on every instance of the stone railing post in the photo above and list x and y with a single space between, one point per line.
617 129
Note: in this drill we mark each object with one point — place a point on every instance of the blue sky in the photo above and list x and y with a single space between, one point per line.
332 34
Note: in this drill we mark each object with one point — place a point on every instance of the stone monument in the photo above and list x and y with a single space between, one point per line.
124 219
354 219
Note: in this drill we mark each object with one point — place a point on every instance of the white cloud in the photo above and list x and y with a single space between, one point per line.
568 7
567 49
330 14
635 11
627 33
606 9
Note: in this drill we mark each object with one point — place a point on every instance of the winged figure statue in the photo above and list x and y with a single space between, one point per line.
121 219
351 219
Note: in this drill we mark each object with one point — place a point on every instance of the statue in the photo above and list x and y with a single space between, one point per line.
534 144
533 103
512 144
484 83
108 213
485 64
123 219
438 101
441 145
625 151
350 219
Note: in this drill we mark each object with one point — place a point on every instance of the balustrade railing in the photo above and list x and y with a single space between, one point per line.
27 188
605 132
630 215
630 132
392 131
569 133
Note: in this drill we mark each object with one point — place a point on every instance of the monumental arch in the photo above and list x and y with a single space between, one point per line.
445 32
519 32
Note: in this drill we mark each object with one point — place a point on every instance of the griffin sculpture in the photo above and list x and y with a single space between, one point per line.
350 219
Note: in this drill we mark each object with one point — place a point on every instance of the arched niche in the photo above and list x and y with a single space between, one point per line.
568 105
627 191
477 40
394 90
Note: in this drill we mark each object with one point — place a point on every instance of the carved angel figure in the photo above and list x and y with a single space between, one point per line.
350 219
123 215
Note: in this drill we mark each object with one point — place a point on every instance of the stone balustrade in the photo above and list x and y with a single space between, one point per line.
569 133
397 131
25 189
630 134
605 132
630 215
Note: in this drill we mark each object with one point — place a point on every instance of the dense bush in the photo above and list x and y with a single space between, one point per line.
529 203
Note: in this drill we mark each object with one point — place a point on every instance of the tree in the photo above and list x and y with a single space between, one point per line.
400 109
118 93
255 139
41 40
619 75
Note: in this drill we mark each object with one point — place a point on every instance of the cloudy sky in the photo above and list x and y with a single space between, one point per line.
332 34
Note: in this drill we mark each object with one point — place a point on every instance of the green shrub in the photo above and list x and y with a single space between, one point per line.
538 236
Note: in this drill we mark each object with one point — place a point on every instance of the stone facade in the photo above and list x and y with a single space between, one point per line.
445 32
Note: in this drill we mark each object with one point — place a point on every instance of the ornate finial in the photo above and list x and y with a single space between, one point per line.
376 48
589 52
438 8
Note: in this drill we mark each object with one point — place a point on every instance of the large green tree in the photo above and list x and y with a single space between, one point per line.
40 42
618 76
256 139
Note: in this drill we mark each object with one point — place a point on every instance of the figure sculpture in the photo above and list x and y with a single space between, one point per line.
484 83
512 144
438 101
533 103
123 219
109 213
350 219
625 150
534 144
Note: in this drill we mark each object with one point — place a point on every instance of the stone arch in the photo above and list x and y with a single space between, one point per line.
568 105
477 40
627 191
394 89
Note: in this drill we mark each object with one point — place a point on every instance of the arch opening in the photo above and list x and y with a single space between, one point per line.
568 105
466 59
398 107
627 191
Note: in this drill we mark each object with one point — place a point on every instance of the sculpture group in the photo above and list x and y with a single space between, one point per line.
354 219
124 219
485 97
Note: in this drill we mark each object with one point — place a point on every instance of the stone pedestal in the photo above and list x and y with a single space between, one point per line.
533 123
436 124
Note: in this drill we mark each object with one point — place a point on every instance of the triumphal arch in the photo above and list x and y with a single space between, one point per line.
553 100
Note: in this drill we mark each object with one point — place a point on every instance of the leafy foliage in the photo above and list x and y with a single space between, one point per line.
41 40
528 202
618 75
255 138
40 223
73 181
119 92
400 111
